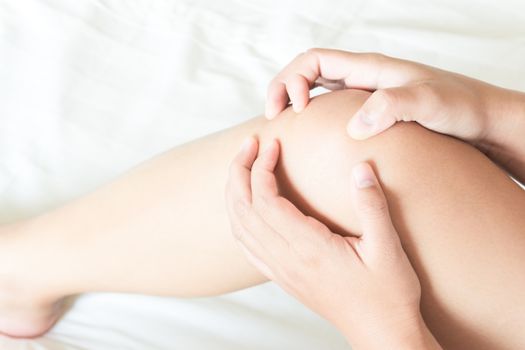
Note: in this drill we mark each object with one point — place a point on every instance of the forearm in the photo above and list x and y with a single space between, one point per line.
505 141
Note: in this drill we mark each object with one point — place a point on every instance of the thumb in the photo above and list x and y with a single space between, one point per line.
381 110
371 208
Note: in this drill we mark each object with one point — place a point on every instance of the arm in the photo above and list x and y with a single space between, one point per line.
505 142
379 304
489 117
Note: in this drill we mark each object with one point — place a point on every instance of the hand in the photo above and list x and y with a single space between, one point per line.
364 285
442 101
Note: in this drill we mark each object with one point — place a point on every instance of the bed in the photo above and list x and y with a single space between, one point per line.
90 88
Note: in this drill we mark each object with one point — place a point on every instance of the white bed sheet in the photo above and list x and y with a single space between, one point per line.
90 88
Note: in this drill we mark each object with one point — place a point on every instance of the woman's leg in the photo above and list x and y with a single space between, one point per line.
162 228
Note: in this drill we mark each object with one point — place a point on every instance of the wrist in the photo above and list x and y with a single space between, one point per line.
417 337
503 141
407 335
505 118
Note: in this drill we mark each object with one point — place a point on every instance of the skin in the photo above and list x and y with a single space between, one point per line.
448 202
263 221
488 117
305 258
402 91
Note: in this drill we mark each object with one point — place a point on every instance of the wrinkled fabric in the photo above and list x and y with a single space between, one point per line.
88 89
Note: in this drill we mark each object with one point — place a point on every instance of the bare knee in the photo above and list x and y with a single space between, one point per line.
443 197
317 158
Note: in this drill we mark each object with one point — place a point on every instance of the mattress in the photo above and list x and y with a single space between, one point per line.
90 88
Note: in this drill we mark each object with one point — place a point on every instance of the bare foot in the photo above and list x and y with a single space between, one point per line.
28 319
27 308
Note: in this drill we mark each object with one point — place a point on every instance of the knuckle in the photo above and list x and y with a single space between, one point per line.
279 79
295 79
380 56
274 83
373 205
376 57
386 97
313 51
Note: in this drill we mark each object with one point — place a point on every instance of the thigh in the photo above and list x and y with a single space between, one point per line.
164 225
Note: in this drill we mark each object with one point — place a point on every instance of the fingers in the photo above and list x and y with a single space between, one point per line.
259 238
277 211
336 68
269 226
240 171
298 88
297 78
372 209
387 106
265 184
258 263
276 98
244 219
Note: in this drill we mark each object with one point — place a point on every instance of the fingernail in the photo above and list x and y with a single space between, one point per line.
270 114
364 176
361 125
297 108
271 110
